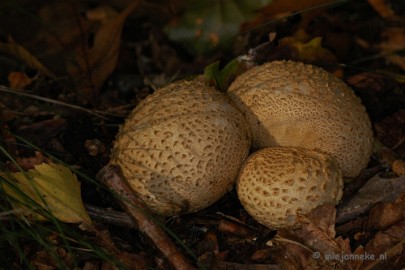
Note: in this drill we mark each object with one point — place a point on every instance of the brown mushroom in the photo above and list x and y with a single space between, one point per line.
181 147
276 184
294 104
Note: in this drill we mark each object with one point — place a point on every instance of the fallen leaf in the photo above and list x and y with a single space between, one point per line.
131 261
393 46
221 265
390 131
51 30
385 250
52 259
41 133
261 255
232 228
398 167
18 80
24 55
382 8
313 244
376 90
377 189
51 186
310 50
383 215
96 63
27 163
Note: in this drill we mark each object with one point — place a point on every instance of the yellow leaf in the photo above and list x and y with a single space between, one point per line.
53 187
310 50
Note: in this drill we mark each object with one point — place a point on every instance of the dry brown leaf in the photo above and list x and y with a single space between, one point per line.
313 245
377 189
307 49
18 80
43 133
261 255
384 215
99 61
382 8
293 256
28 163
232 228
398 167
56 30
24 55
390 130
393 45
132 261
385 250
46 259
221 265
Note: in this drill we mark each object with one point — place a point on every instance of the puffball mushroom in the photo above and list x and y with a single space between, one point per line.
294 104
277 183
181 148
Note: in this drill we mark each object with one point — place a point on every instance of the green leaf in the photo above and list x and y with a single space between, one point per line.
221 79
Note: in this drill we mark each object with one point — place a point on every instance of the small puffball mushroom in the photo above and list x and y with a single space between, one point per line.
277 183
181 148
294 104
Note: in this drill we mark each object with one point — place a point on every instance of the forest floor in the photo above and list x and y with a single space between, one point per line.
71 71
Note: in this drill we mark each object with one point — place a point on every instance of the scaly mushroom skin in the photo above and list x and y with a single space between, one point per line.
181 147
277 183
294 104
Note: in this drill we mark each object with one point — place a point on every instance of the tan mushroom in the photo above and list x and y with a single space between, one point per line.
276 184
181 148
294 104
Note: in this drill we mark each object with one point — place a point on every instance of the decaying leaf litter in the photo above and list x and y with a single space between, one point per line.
65 60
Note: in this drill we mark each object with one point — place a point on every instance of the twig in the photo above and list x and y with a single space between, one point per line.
351 188
57 102
112 177
110 216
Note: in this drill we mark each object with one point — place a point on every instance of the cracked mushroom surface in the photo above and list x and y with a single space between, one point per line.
289 103
276 184
181 148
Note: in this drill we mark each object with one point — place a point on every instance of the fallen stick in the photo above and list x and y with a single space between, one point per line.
109 216
111 176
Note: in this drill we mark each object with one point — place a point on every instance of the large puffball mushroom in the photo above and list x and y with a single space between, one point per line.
294 104
276 184
181 148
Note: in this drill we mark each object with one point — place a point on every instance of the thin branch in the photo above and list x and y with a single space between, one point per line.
112 177
56 102
109 216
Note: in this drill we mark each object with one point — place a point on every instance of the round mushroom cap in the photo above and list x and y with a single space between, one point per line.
181 148
277 183
294 104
